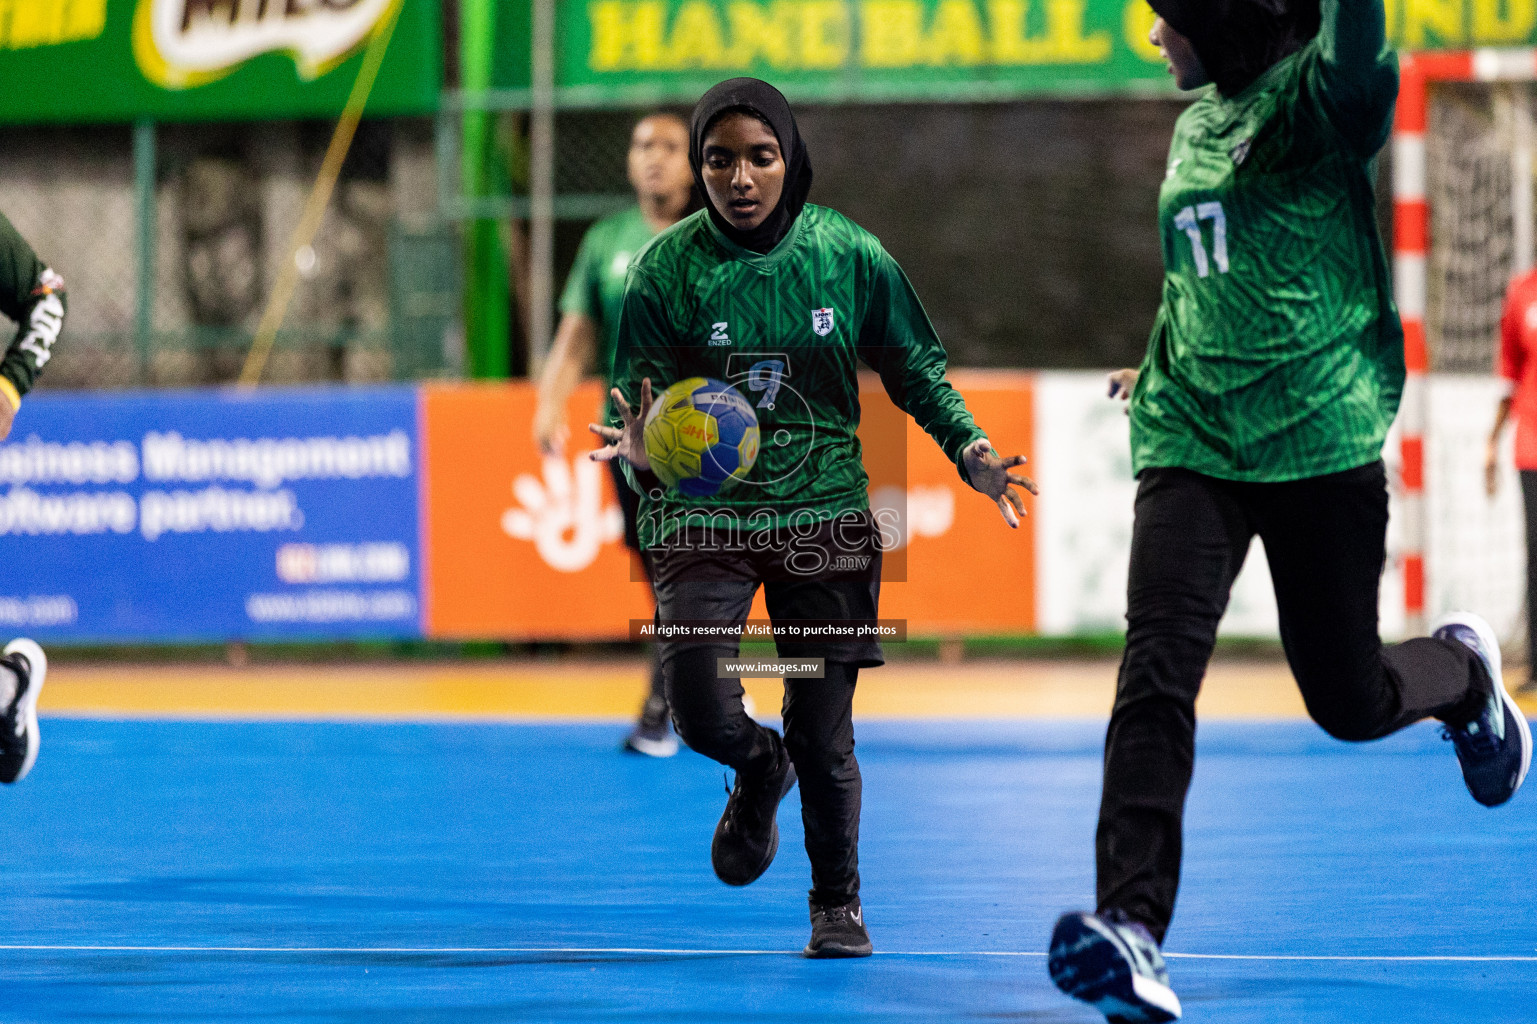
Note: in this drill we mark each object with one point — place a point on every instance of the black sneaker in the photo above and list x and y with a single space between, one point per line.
1495 747
652 734
748 834
1114 966
838 932
18 723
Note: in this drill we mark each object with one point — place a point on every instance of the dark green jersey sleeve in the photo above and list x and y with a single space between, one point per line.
580 296
1353 73
32 295
899 343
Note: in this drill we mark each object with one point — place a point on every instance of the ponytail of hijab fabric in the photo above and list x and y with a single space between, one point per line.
767 104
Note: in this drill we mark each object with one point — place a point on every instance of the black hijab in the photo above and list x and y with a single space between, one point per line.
1239 40
767 104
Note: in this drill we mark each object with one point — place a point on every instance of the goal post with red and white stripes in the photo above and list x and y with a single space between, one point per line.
1444 199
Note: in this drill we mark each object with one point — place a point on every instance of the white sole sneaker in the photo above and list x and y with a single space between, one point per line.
1491 649
667 746
26 710
1092 960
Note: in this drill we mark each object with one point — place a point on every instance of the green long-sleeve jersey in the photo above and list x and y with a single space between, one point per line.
789 329
595 288
1277 353
33 296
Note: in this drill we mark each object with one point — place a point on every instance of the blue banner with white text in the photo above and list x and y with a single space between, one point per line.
212 516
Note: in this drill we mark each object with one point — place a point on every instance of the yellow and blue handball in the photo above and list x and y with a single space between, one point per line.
701 436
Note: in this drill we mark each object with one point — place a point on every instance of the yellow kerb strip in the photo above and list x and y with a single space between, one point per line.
1008 690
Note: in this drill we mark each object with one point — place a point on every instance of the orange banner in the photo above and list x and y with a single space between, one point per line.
519 547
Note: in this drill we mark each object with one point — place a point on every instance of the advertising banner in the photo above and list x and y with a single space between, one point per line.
529 547
123 60
206 516
522 547
1083 520
426 512
645 50
628 52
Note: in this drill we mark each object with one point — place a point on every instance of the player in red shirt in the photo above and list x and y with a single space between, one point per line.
1518 365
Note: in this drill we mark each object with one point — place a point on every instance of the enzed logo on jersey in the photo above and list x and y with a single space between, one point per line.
180 44
718 335
822 321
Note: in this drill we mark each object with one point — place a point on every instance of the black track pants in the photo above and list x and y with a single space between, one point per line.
1324 538
819 736
716 583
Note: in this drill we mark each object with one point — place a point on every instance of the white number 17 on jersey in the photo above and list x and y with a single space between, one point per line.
1189 220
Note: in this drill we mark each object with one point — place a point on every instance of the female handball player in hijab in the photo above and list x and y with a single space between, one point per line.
783 300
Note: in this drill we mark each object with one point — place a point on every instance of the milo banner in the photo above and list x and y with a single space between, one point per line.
121 60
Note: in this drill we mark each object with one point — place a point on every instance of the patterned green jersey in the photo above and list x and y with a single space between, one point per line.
1277 353
788 328
33 296
595 288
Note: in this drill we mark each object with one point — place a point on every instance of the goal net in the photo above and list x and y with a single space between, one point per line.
1478 189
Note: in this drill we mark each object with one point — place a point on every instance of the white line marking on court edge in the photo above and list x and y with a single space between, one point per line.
617 950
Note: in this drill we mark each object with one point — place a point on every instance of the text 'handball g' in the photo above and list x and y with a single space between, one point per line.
701 436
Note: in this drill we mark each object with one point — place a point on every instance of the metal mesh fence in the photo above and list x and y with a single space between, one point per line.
379 290
70 193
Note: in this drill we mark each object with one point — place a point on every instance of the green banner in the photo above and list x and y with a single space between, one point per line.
166 60
1462 24
632 52
648 50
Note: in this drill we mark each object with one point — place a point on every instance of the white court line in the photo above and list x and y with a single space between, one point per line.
598 950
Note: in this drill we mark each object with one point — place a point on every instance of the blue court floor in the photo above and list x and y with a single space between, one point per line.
200 872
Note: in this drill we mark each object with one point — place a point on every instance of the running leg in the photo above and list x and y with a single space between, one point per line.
1188 543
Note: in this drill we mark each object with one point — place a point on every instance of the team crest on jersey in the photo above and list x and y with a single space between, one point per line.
822 321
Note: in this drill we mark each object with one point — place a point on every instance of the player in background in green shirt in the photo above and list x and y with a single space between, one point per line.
32 295
1274 369
785 300
584 343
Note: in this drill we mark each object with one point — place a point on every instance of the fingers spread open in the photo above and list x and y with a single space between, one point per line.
1021 480
1008 513
1016 501
622 406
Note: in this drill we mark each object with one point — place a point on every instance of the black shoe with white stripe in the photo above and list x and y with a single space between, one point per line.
1114 966
18 722
838 932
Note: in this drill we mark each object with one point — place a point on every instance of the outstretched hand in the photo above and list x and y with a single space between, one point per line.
989 473
1121 384
626 442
